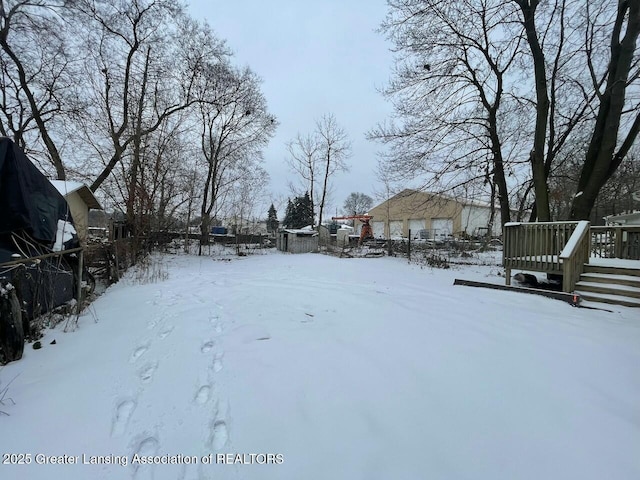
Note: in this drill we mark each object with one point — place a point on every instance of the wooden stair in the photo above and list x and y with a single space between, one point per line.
613 284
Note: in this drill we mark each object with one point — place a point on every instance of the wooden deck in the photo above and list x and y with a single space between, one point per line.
565 248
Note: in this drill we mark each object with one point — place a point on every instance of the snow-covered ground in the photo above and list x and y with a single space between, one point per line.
313 367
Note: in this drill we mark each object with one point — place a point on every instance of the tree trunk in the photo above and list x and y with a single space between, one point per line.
536 157
324 185
498 169
601 160
137 153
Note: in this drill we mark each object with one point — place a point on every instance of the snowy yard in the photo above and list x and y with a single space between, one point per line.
312 367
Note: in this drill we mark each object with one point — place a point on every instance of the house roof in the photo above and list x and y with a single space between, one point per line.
301 231
632 218
67 187
463 201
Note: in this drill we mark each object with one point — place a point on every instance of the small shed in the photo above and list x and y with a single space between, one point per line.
297 240
80 199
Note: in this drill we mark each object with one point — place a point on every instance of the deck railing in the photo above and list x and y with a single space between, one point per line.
574 255
559 248
616 242
536 246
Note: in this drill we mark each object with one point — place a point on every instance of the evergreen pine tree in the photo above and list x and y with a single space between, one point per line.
272 220
289 215
306 210
299 212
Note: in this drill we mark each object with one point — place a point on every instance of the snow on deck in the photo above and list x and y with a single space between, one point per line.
348 369
614 262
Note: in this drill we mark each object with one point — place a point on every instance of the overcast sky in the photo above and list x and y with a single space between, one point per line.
315 57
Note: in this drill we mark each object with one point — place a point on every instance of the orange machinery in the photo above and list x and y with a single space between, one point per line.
366 232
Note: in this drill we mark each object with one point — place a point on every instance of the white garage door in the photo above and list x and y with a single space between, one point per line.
441 228
415 226
396 228
378 229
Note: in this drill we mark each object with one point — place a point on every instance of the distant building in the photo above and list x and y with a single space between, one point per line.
244 226
435 216
631 218
297 240
80 199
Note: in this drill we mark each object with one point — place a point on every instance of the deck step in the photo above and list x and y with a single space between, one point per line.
608 288
629 280
611 270
611 281
608 298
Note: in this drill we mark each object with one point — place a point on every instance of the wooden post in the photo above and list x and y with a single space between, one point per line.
409 246
107 259
115 260
567 276
79 286
618 244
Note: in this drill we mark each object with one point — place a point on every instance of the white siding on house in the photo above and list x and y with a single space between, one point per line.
396 228
378 229
441 228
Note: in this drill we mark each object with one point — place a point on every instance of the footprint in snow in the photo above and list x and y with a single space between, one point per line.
202 395
166 332
138 352
151 324
219 435
207 347
148 447
217 362
123 413
146 374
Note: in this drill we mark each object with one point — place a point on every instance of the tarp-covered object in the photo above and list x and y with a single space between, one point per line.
32 214
29 203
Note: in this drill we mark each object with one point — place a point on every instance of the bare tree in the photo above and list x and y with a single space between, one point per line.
575 86
34 58
335 148
357 204
462 84
563 98
138 75
162 186
618 120
304 160
235 127
246 196
455 124
615 197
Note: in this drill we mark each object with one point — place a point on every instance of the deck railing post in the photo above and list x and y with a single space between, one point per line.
618 242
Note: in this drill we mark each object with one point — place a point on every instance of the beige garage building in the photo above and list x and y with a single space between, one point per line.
441 216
